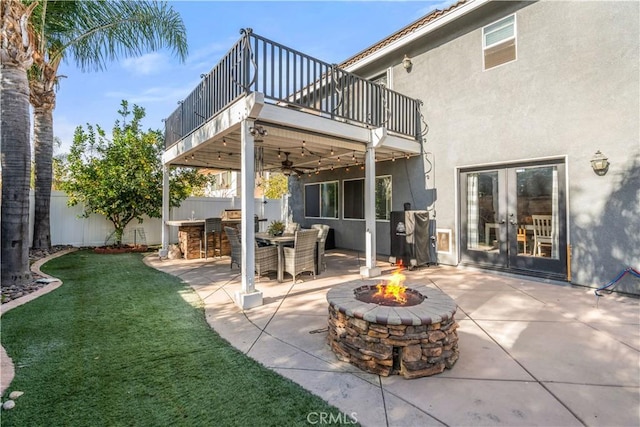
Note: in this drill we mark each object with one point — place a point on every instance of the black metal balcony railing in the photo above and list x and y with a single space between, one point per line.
286 76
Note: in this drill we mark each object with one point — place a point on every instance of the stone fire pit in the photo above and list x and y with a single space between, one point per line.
413 341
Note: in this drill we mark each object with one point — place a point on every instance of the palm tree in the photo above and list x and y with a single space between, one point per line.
16 54
92 33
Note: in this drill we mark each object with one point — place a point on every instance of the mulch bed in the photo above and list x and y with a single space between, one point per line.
120 249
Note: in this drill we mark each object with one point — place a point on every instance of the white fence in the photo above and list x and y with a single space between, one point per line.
68 228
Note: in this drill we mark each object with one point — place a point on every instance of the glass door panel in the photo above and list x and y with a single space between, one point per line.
513 218
484 235
537 217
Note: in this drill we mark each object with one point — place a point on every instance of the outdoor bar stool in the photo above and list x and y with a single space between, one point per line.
212 226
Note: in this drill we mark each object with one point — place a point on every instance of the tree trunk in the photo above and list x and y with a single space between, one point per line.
16 171
16 56
42 81
43 141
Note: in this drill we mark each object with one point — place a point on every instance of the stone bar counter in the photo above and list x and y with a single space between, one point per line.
190 236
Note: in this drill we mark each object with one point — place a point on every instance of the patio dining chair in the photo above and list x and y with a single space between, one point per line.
301 257
236 246
323 232
266 257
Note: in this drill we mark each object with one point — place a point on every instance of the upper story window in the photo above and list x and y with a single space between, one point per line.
499 42
381 79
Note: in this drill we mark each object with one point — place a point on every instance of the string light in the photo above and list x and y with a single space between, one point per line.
219 155
338 159
332 151
224 142
279 155
354 156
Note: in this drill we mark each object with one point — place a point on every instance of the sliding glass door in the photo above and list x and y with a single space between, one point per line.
513 218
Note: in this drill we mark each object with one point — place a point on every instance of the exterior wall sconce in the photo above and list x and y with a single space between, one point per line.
258 133
600 163
406 63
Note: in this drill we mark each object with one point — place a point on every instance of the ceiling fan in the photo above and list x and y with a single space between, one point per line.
287 166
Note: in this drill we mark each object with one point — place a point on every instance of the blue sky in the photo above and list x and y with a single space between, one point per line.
328 30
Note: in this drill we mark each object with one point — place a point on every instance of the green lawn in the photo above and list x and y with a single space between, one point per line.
117 344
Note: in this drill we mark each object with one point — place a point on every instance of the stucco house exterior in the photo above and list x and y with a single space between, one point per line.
518 99
515 125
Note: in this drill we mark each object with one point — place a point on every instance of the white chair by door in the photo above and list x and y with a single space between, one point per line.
542 232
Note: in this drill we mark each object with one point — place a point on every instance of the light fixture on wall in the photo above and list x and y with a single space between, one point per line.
406 63
258 132
600 163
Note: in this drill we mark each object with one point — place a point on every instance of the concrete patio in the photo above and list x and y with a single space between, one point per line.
531 353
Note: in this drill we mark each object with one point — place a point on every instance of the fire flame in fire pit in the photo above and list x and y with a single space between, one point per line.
390 293
393 290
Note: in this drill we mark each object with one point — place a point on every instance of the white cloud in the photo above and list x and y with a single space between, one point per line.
155 94
145 65
205 57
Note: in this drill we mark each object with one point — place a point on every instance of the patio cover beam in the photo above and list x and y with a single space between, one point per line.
224 123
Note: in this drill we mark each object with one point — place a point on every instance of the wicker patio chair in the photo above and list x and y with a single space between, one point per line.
236 247
266 257
301 257
323 232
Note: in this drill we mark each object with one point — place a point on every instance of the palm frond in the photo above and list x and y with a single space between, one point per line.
94 33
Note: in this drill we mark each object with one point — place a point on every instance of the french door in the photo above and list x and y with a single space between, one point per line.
513 218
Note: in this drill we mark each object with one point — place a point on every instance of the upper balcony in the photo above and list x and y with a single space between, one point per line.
289 82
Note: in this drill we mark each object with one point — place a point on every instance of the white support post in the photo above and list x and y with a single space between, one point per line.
370 269
164 250
248 296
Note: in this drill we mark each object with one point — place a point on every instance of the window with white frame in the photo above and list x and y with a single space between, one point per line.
321 200
353 198
499 42
381 79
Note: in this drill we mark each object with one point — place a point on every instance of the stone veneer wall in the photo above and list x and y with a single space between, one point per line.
189 242
409 350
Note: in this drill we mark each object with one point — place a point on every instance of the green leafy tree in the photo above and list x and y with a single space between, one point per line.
276 186
121 177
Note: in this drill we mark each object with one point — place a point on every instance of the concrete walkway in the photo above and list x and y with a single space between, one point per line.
531 353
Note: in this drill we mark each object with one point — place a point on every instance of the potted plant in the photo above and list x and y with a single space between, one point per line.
276 228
